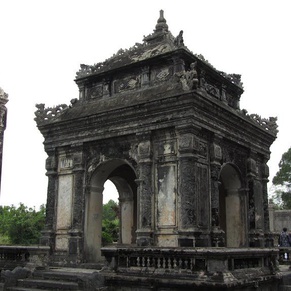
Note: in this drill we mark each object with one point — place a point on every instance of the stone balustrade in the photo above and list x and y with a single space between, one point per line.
13 256
184 260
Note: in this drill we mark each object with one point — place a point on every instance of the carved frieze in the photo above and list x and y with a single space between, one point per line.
189 79
65 163
95 92
126 84
161 74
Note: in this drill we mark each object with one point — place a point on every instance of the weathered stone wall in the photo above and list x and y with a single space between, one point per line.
279 219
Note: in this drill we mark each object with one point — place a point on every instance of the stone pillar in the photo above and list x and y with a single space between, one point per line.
48 233
265 180
82 92
3 115
269 239
187 209
256 214
179 65
106 88
76 233
145 76
93 224
64 200
126 220
271 215
145 193
217 235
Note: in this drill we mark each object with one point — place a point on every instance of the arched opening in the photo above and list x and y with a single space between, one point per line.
231 207
121 174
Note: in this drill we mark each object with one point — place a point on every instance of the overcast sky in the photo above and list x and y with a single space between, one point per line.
44 42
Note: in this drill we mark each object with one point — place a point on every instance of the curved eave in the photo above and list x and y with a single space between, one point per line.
196 109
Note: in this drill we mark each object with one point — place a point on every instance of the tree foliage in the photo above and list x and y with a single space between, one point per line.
282 180
21 225
110 222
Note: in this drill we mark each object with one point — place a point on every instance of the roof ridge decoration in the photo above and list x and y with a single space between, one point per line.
191 78
3 95
158 42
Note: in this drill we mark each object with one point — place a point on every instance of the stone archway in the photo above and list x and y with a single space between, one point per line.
232 205
123 177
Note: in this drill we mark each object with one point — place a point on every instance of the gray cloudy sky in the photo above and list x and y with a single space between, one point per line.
44 42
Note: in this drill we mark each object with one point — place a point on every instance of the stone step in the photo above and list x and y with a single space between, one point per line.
57 275
25 289
47 284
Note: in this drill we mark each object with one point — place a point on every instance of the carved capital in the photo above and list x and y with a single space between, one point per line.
215 153
51 165
265 171
144 149
252 167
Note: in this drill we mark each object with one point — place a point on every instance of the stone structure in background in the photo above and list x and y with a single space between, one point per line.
166 128
279 218
3 115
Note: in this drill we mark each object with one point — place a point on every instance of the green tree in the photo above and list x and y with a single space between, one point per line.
110 222
21 225
282 181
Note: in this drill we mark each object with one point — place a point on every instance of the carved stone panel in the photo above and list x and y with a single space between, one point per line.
166 208
161 74
187 190
126 84
95 92
202 189
65 197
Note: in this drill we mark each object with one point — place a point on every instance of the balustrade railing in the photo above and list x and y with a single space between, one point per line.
13 256
184 260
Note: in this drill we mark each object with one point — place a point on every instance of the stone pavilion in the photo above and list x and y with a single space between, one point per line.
166 127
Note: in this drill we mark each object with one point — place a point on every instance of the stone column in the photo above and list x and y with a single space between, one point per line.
265 180
256 214
269 239
145 76
82 92
93 224
107 88
48 233
217 235
179 65
76 233
3 113
187 158
271 215
64 200
145 193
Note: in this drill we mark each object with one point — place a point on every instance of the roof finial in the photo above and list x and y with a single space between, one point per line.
162 23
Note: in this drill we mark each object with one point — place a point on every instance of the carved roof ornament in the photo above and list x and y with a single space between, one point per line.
3 96
161 32
156 43
43 115
136 69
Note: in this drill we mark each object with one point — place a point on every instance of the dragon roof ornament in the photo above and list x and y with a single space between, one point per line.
156 43
3 95
269 124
